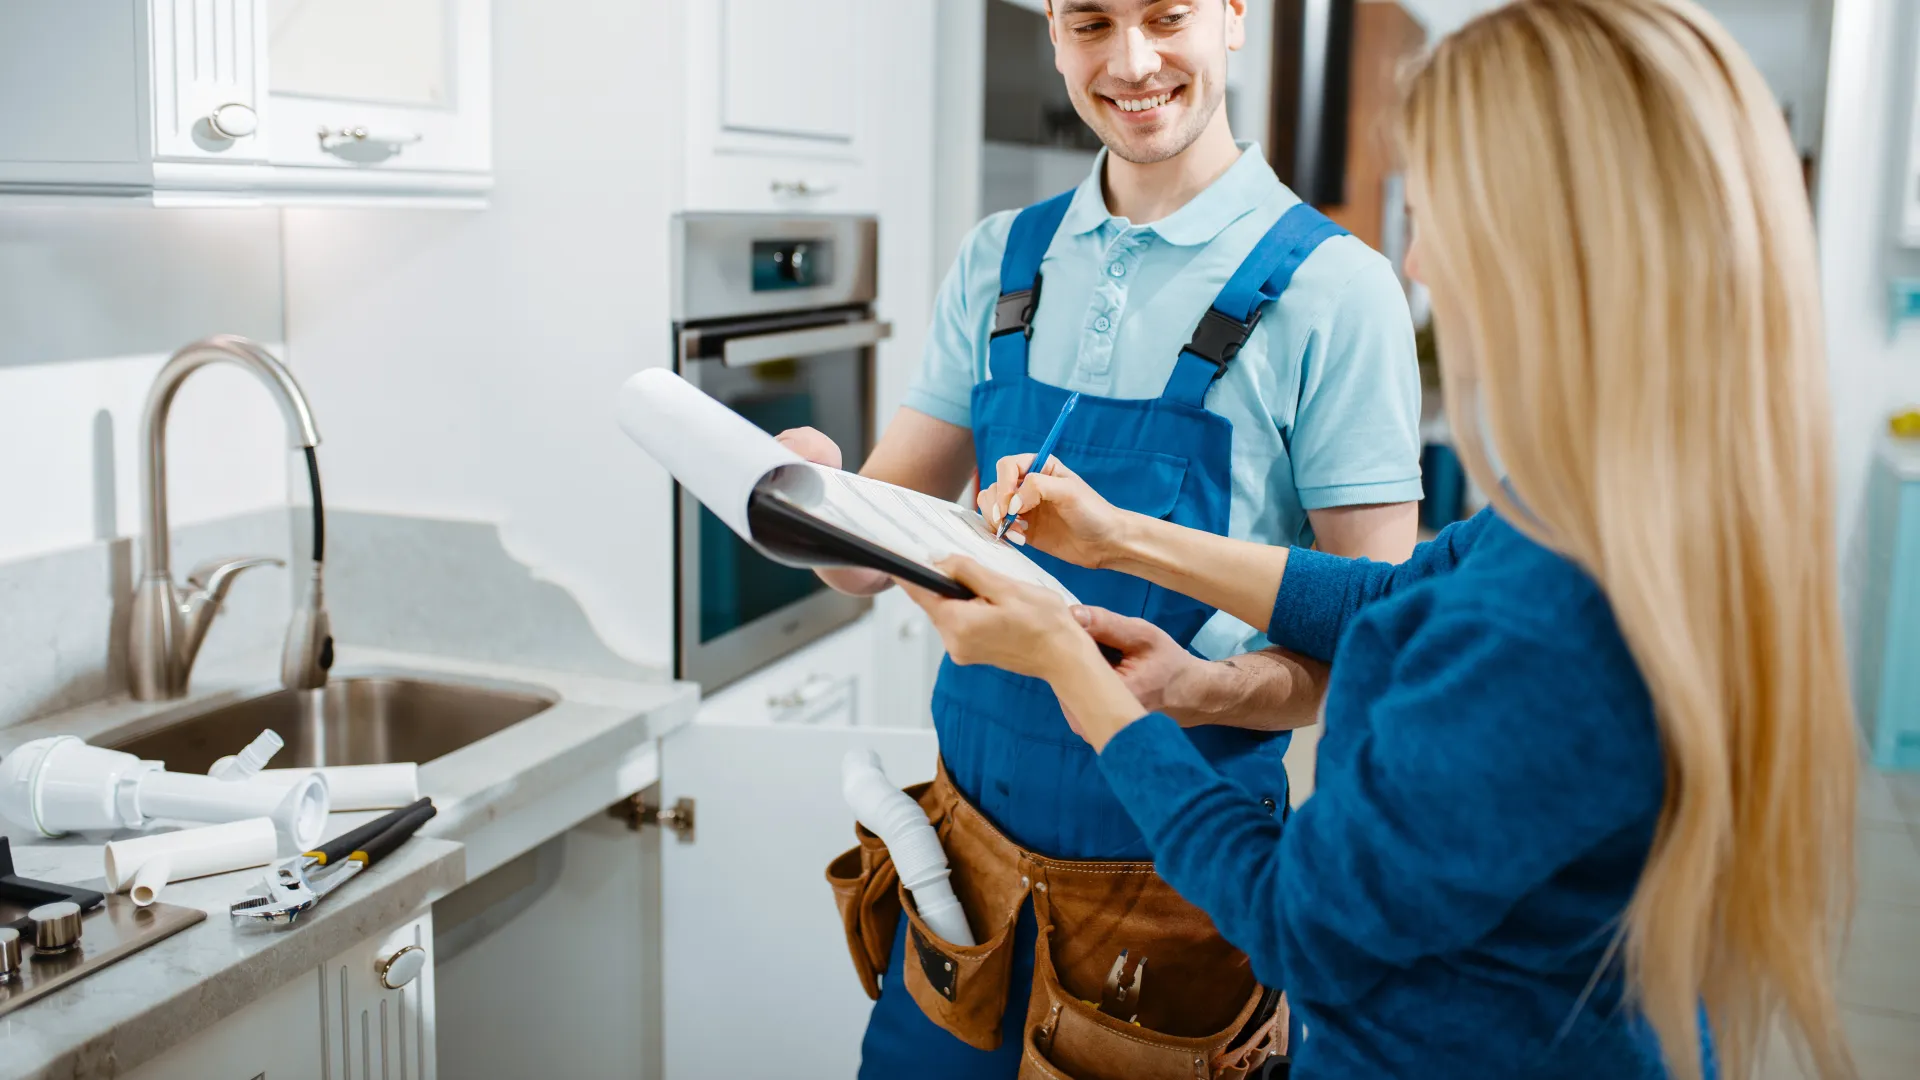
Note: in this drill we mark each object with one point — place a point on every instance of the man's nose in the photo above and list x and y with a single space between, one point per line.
1135 58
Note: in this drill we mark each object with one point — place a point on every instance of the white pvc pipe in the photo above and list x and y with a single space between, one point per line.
299 811
153 876
143 864
352 787
60 785
893 816
250 760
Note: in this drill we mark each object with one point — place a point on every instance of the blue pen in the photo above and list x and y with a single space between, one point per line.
1040 459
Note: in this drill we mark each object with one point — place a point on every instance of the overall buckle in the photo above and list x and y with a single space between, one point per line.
1013 312
1218 338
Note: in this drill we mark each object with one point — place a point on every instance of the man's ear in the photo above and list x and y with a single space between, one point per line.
1236 13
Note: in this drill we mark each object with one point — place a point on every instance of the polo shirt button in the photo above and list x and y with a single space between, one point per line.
1102 324
1117 270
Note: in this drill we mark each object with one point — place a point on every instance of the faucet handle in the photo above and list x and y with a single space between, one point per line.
211 579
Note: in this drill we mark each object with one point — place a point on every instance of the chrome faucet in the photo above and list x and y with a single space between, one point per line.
167 630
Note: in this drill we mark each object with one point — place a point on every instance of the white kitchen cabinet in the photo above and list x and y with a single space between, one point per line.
375 102
754 967
780 103
338 1021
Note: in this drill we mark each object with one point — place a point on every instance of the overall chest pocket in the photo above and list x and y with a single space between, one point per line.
1144 481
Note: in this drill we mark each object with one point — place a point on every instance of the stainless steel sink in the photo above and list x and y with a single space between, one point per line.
362 720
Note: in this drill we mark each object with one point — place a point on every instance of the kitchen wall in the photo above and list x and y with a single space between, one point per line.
1868 110
469 360
92 300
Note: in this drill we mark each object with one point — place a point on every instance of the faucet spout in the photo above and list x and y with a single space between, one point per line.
166 632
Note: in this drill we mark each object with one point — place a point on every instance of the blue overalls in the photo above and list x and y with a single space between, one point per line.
1004 741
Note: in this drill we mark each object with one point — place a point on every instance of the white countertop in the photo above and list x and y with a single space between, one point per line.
497 797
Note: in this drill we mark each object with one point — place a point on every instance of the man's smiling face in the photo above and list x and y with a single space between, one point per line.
1146 75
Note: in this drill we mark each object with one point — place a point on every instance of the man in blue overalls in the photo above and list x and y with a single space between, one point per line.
1244 367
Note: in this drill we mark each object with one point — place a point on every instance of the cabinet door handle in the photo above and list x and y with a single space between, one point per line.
402 967
233 121
336 138
802 188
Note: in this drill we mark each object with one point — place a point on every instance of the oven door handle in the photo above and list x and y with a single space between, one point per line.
747 350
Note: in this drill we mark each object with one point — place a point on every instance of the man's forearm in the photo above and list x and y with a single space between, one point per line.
1269 690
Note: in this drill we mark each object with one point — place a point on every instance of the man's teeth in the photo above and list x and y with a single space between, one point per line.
1143 104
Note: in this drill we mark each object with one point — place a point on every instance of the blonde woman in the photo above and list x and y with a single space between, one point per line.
1588 772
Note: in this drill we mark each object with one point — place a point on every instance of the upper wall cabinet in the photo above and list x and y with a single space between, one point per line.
778 105
373 102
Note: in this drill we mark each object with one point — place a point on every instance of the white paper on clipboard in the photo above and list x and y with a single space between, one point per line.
722 458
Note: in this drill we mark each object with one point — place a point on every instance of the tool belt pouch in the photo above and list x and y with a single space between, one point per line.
1198 1003
866 890
963 988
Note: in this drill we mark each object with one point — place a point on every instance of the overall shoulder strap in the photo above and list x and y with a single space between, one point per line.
1265 273
1027 243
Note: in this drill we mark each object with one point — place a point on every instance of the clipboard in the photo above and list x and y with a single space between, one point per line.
786 529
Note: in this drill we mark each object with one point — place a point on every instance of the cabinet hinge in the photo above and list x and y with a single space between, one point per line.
677 819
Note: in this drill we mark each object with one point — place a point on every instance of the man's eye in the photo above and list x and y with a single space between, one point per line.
1175 19
1089 29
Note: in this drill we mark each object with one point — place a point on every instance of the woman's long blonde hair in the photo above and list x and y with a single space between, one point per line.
1618 241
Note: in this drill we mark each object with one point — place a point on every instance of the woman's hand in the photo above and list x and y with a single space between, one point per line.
1029 631
1057 512
1152 665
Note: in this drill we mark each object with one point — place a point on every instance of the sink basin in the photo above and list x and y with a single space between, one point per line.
366 720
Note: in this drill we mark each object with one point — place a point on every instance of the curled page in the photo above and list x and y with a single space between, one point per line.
713 451
723 459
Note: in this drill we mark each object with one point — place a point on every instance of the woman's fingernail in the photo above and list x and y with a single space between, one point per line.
1082 615
1014 506
1017 537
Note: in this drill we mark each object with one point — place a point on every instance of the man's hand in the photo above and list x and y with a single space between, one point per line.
812 444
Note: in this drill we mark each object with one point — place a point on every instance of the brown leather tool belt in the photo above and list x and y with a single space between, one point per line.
1130 981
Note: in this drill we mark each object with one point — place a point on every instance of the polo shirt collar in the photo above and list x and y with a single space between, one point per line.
1248 183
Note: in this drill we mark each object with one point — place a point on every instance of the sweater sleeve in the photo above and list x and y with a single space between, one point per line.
1320 593
1471 786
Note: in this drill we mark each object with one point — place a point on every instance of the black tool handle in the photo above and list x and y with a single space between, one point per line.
397 833
356 839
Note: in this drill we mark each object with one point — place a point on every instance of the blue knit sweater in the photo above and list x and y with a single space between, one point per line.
1487 790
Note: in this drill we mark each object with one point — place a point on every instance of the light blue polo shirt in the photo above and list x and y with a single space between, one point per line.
1324 397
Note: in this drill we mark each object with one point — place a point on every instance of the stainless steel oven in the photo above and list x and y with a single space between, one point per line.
773 316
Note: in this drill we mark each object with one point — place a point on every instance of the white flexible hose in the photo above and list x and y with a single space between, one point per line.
893 816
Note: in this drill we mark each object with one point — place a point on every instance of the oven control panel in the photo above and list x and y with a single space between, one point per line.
791 264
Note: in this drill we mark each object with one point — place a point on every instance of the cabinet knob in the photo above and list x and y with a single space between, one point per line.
402 967
801 188
233 121
336 139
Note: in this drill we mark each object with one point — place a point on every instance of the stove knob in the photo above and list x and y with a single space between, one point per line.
56 926
9 953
